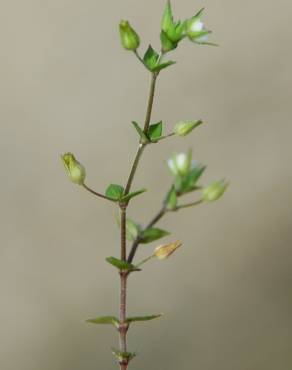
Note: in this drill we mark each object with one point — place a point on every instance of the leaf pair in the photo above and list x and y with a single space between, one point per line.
112 320
152 136
116 193
153 62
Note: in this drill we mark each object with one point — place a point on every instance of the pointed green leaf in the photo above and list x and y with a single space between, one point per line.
155 131
114 192
144 138
121 265
151 58
171 199
142 318
161 66
128 356
105 320
132 195
152 234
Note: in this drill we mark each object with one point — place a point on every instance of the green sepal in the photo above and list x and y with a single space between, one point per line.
122 265
123 356
151 58
151 234
167 19
129 320
171 199
129 196
188 182
164 65
198 15
155 131
167 44
114 192
143 137
111 320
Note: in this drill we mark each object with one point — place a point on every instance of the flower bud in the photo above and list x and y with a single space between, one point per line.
214 191
195 30
183 128
129 38
164 251
75 170
180 164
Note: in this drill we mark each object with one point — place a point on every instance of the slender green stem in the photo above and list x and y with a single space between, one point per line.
189 205
150 102
96 193
134 168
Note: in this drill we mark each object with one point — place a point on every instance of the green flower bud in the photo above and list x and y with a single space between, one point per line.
129 38
171 32
183 128
75 170
214 191
180 164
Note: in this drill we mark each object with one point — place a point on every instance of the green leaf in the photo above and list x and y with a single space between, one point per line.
132 228
142 318
152 234
171 199
114 192
144 138
132 195
155 131
128 356
161 66
121 265
151 58
105 320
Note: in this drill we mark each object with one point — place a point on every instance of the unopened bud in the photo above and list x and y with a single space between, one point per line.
129 38
164 251
75 170
185 127
195 30
214 191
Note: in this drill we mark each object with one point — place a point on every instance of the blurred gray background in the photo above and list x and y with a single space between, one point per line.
66 85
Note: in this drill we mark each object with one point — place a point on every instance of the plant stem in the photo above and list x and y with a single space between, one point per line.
137 241
123 327
96 193
150 102
134 168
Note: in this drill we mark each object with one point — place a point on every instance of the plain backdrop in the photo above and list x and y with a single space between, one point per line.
67 85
